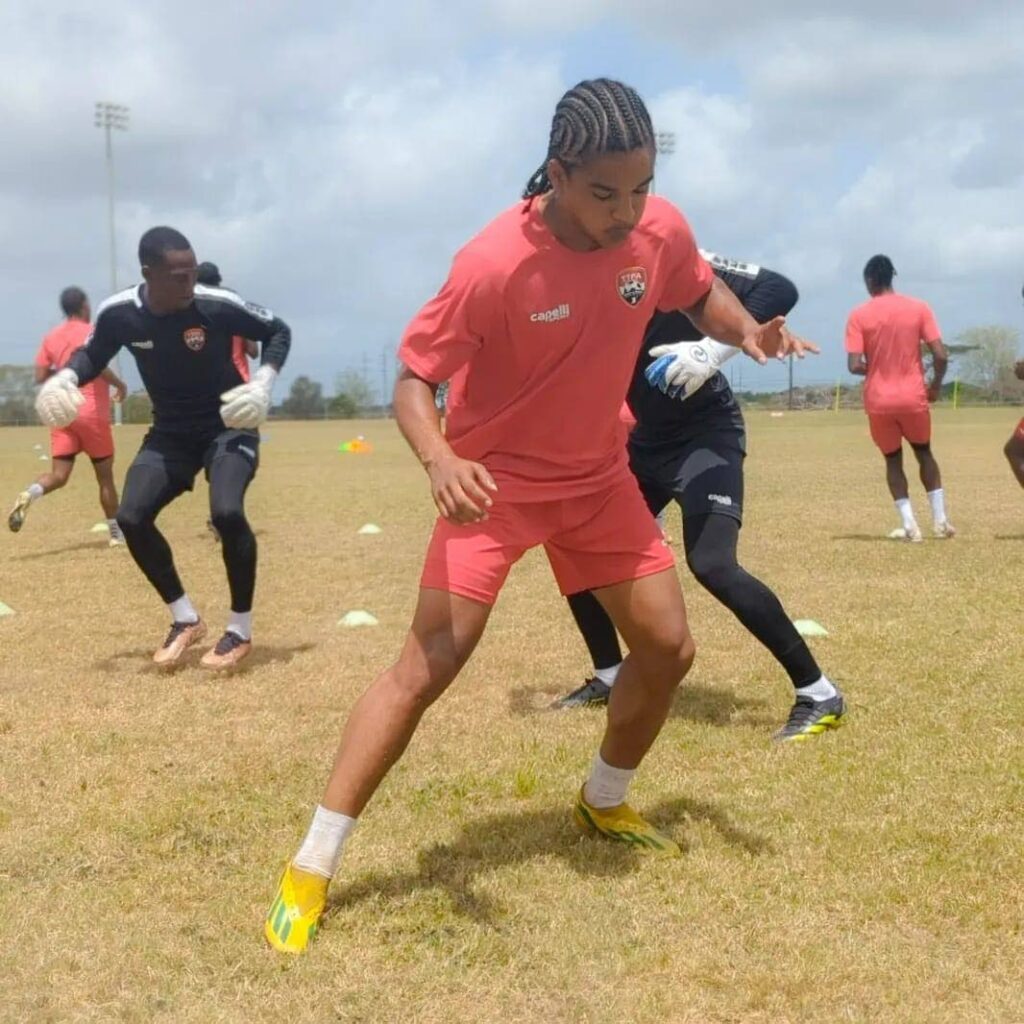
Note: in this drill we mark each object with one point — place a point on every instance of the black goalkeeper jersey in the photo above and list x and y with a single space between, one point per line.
184 358
661 420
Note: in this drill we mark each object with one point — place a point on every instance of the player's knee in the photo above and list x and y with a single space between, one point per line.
715 571
667 654
228 520
1014 449
419 678
133 518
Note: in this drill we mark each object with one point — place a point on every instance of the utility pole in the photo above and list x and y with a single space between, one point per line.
384 381
112 117
791 381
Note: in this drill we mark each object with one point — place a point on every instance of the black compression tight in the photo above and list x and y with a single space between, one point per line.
148 489
711 542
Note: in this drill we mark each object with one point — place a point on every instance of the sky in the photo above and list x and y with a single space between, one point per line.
332 156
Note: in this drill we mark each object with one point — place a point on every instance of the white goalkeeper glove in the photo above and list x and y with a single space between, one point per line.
246 406
685 366
59 398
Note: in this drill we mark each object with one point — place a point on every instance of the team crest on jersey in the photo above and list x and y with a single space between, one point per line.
632 283
195 338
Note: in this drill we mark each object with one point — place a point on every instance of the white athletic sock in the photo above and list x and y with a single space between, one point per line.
183 610
240 624
115 530
321 849
821 690
608 675
607 786
35 492
937 500
906 513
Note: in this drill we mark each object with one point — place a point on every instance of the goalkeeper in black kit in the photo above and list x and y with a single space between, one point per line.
204 417
688 446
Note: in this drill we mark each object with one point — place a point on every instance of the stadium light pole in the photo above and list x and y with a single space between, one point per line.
112 117
664 145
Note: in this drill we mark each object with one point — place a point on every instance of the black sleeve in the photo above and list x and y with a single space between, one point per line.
259 324
100 347
770 295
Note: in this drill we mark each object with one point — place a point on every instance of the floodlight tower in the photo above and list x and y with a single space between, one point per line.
112 117
664 145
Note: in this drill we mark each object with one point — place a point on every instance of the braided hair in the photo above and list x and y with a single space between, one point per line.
879 271
596 116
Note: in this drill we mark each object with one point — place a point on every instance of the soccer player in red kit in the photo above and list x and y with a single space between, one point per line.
883 342
537 327
90 434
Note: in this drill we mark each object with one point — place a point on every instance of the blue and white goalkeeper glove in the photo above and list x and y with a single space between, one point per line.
682 368
246 406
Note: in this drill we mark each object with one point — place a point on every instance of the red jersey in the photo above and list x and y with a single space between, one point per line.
540 341
888 330
55 352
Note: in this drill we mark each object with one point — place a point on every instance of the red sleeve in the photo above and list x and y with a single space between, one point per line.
929 326
690 275
854 336
449 329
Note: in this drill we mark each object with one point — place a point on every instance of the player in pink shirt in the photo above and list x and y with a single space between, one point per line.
90 433
537 327
1014 448
883 341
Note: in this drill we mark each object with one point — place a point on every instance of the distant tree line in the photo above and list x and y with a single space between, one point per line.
982 361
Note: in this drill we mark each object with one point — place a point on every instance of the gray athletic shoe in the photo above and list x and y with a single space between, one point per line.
810 717
591 694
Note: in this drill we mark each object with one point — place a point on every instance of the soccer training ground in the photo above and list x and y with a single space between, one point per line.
873 874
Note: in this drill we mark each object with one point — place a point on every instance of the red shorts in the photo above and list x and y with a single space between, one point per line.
591 541
92 436
1019 432
889 428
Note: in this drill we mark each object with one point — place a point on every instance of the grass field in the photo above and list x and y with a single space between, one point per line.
873 875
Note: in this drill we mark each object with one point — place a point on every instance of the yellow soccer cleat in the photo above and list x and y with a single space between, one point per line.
622 824
294 916
18 514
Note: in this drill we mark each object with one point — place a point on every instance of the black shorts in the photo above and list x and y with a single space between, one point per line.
181 456
704 473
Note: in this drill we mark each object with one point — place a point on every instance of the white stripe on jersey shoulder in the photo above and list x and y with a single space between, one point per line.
205 291
730 266
119 299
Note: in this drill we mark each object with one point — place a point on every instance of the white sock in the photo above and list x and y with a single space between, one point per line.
937 500
821 690
115 530
608 675
183 610
906 513
607 786
35 492
240 624
321 849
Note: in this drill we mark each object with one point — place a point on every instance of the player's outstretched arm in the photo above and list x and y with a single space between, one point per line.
462 490
721 315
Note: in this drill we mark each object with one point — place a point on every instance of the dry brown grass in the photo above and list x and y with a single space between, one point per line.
874 875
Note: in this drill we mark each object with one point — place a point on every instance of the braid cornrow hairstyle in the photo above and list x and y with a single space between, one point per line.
596 116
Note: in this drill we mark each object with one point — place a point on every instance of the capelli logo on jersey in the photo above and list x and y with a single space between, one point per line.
721 499
550 316
142 344
195 338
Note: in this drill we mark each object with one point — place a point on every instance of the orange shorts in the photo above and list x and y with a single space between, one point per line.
591 541
92 436
889 428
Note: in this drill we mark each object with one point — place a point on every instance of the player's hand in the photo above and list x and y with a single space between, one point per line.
774 340
461 489
682 367
59 399
796 345
246 406
1018 369
120 391
934 392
